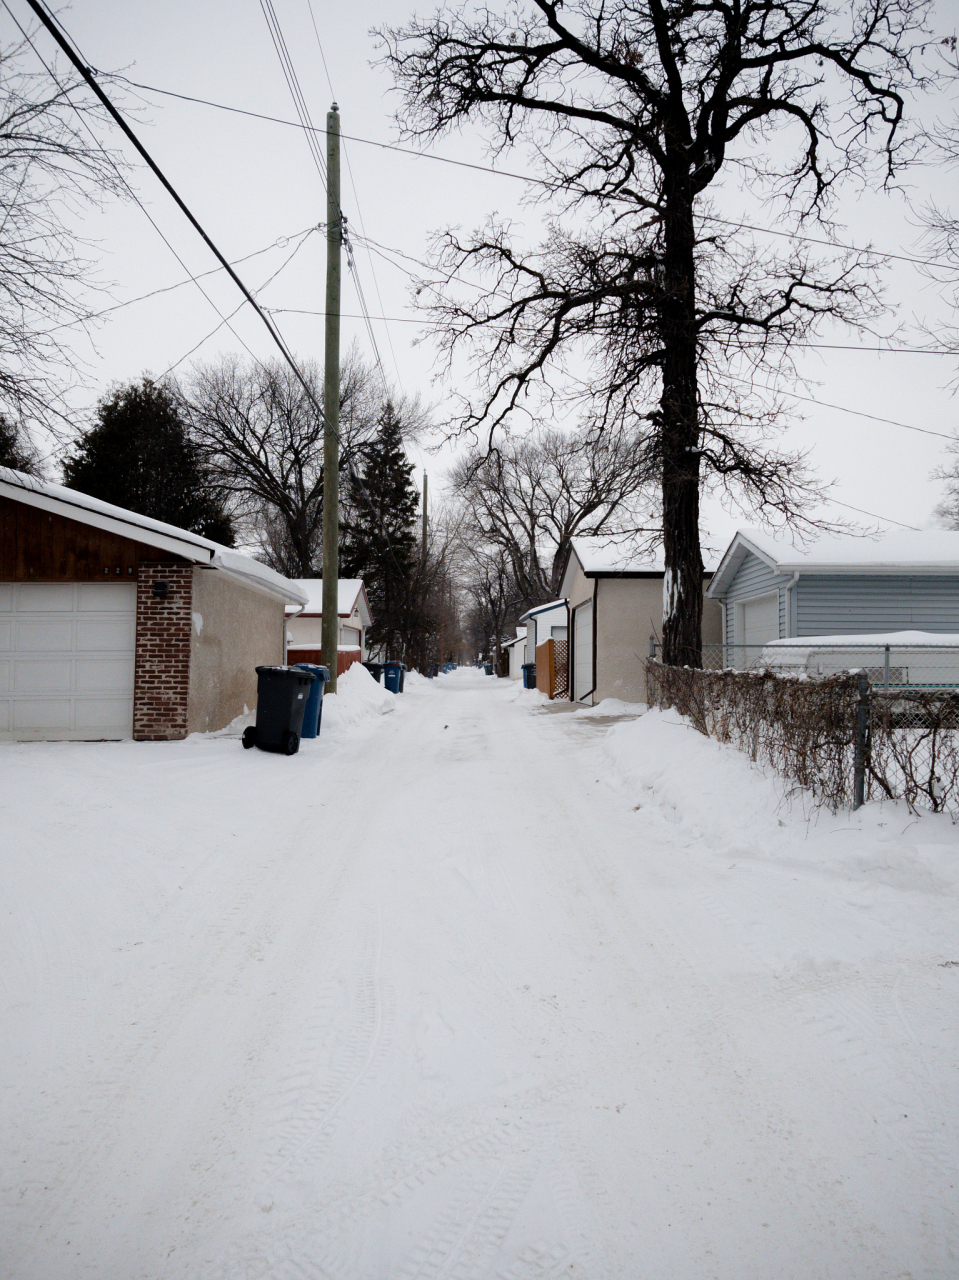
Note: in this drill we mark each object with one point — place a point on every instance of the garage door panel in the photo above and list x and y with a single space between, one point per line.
761 620
107 597
46 597
44 637
43 713
104 675
105 715
67 668
50 676
105 635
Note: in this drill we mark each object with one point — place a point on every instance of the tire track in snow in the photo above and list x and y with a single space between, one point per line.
299 1144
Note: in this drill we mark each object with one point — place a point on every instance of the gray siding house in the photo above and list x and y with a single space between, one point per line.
770 589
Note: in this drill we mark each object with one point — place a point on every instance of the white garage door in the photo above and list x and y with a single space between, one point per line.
66 660
582 650
761 620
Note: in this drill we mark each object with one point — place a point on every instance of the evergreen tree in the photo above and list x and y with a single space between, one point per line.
379 540
138 455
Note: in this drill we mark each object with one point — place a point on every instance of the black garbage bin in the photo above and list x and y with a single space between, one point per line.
375 669
529 675
281 697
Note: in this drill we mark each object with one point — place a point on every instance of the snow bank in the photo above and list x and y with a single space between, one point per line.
613 707
722 805
358 697
414 682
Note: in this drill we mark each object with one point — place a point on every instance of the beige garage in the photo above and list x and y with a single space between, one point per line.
113 625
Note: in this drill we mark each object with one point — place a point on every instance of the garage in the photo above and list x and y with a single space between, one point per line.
67 659
582 650
114 625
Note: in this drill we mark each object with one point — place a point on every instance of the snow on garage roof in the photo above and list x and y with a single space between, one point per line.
912 551
609 556
80 507
350 593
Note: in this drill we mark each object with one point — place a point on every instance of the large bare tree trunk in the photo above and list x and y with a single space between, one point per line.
683 581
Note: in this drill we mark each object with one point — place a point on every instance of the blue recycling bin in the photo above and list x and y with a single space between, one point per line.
393 676
529 675
313 714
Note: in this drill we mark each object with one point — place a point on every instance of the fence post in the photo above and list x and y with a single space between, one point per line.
862 733
885 668
652 646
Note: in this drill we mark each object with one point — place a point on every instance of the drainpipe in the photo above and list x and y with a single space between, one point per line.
789 606
286 620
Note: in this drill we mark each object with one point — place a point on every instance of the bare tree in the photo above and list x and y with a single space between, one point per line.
51 170
262 437
529 497
632 111
492 596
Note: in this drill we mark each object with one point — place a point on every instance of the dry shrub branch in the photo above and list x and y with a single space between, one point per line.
805 729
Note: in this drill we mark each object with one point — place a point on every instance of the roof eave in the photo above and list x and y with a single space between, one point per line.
129 529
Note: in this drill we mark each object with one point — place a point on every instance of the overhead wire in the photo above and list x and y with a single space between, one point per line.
169 288
296 91
523 177
65 43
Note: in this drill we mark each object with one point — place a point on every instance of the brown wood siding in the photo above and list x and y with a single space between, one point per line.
36 546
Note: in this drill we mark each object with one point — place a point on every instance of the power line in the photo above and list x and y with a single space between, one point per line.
522 177
269 280
169 288
120 176
87 76
873 515
293 83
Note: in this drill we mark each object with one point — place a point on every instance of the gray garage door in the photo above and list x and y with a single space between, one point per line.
66 660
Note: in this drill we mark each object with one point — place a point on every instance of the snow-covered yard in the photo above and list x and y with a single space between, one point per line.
478 988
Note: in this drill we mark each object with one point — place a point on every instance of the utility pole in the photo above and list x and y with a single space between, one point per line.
330 634
424 517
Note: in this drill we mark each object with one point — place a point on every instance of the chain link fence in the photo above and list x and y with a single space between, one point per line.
837 734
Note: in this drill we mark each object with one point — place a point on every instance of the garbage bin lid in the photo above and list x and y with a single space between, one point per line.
287 673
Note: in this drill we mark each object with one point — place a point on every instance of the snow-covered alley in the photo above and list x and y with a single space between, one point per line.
478 988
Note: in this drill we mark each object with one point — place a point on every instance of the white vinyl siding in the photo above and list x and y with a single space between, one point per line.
582 650
67 660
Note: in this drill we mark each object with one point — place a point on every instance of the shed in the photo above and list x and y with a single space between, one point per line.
516 650
113 625
546 621
306 628
615 591
771 589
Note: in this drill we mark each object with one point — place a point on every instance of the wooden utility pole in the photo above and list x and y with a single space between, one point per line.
330 634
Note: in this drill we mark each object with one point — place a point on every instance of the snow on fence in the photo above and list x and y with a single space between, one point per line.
839 736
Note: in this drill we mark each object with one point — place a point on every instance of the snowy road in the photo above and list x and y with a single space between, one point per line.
458 994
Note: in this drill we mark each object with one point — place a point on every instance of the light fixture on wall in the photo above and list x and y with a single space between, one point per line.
161 590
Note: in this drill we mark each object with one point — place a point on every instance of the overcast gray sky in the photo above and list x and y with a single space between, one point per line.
253 184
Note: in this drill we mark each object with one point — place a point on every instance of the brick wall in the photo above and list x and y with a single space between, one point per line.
162 680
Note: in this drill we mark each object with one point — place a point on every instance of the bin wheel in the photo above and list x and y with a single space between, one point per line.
249 737
291 742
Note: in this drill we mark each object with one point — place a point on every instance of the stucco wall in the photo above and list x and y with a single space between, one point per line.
628 612
234 630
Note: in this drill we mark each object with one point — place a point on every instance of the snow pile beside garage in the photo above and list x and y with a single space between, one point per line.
358 697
